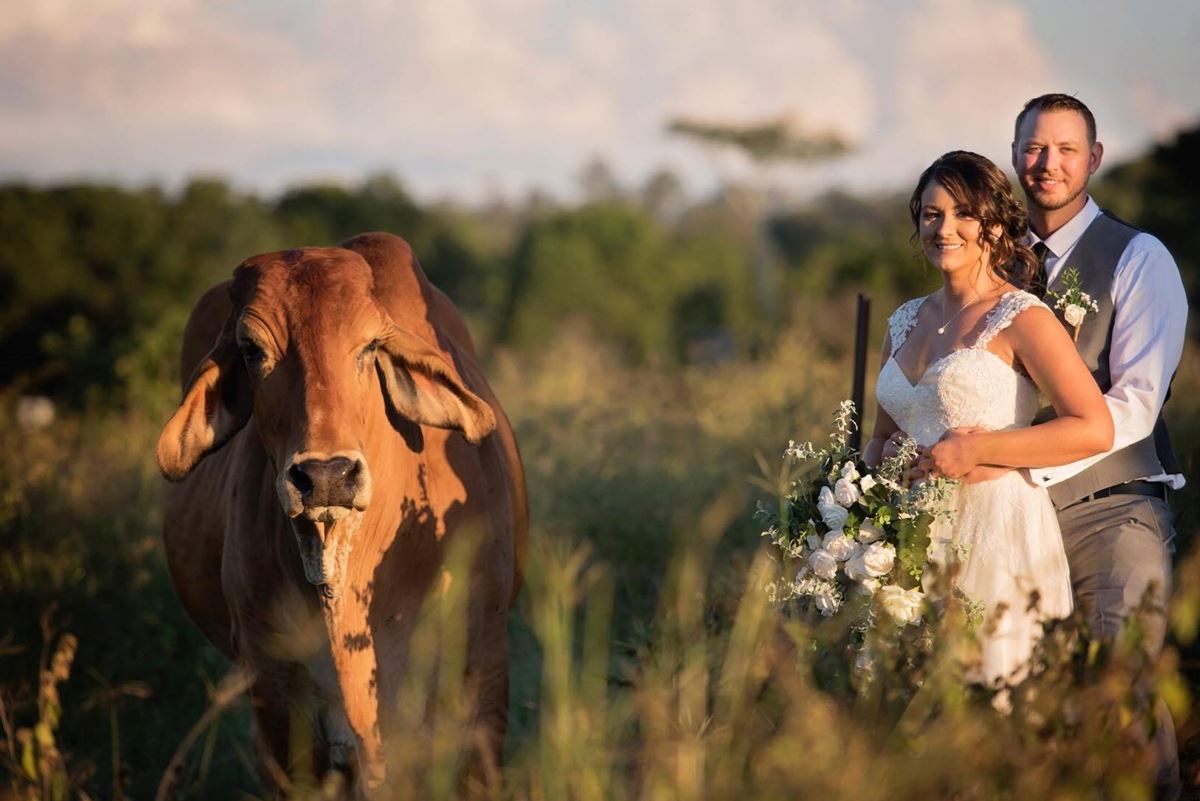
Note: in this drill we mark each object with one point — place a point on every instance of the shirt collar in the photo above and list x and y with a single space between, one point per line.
1065 237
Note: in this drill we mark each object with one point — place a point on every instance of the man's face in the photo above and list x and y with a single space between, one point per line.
1053 158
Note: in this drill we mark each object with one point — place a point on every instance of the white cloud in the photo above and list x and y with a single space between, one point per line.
456 93
953 76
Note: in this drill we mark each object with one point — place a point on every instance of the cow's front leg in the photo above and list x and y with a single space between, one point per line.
356 671
289 749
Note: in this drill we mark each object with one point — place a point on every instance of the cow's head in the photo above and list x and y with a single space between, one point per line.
310 353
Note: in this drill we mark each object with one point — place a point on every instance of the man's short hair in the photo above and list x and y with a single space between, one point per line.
1056 102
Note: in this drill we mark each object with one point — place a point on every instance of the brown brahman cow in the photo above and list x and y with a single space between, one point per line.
335 436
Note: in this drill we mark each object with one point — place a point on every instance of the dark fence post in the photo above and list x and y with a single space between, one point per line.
861 334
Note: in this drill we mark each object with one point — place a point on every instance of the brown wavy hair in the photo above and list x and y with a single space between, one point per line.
981 188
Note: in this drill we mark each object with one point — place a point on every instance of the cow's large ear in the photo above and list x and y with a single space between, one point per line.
422 386
215 406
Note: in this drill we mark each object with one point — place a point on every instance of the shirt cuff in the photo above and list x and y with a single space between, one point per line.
1049 476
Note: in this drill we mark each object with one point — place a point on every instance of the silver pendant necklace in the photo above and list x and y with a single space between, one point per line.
945 323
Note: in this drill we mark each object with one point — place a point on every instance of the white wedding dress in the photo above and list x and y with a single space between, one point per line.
1011 543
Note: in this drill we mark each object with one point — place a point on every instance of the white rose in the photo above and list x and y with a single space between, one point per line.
856 567
839 545
867 482
869 586
813 542
878 559
845 493
823 564
1074 314
904 606
834 516
826 603
868 532
848 472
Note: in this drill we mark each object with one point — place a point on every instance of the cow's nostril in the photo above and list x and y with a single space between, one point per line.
300 480
341 468
326 482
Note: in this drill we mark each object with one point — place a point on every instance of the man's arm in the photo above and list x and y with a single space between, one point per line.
1149 326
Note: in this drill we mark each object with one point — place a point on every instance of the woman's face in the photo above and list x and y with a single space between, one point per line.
949 233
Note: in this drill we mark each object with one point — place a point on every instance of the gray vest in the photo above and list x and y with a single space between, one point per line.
1095 257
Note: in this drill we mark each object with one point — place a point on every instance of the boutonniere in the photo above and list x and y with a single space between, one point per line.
1073 302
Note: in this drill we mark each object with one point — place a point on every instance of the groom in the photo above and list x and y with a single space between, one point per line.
1112 508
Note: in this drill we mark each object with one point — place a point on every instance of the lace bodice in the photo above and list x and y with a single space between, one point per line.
970 386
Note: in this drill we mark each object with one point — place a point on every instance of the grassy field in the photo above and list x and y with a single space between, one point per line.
645 661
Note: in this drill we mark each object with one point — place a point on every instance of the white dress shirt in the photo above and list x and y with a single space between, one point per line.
1149 324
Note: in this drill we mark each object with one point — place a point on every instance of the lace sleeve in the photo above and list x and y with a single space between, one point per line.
902 321
1004 312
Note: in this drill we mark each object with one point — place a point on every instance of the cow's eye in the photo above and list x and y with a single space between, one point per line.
367 353
252 352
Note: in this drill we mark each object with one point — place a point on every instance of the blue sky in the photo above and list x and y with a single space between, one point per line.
470 98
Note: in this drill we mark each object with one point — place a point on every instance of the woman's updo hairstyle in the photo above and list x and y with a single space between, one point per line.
979 186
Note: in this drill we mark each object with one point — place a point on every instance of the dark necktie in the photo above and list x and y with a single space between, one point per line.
1039 283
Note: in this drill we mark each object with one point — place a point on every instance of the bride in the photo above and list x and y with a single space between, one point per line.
961 373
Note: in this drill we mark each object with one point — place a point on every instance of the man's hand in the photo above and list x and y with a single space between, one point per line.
954 455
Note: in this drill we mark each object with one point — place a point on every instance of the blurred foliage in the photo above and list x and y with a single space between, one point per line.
97 280
1160 193
772 140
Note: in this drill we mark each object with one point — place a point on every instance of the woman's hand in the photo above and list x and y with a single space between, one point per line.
954 455
892 446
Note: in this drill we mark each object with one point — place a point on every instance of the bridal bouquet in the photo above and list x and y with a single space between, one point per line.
849 537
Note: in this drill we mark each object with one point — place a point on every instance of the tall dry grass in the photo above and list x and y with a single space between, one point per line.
646 662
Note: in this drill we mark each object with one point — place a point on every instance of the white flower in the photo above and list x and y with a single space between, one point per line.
867 482
813 542
868 532
864 665
1074 314
846 493
848 472
833 514
823 564
839 546
826 602
856 567
869 586
904 606
878 559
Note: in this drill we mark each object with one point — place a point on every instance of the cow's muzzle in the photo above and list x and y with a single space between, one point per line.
325 489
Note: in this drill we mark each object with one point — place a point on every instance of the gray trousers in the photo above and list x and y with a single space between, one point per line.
1117 547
